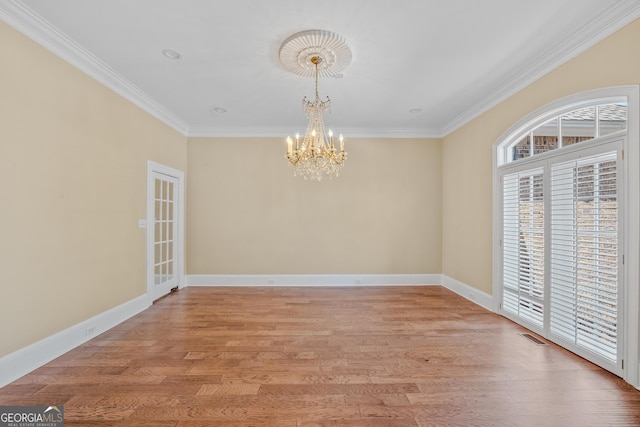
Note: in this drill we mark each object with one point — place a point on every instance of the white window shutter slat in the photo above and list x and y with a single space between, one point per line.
523 245
584 253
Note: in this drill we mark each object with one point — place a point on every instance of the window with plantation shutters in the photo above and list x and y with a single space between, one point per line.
584 253
523 245
566 226
561 252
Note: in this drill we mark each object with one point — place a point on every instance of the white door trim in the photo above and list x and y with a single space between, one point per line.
630 208
153 167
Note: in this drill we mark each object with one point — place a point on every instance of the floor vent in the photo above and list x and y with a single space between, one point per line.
533 339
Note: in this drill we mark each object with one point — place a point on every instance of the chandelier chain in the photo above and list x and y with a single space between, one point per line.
315 61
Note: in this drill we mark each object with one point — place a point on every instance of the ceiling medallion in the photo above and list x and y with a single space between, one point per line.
297 51
315 53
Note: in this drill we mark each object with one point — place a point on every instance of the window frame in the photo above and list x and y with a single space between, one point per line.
553 110
630 208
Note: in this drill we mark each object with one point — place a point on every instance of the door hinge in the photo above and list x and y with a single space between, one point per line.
622 154
622 363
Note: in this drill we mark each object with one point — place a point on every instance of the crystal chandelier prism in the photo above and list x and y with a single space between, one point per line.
315 156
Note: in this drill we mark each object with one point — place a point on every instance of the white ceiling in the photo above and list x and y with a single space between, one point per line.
453 59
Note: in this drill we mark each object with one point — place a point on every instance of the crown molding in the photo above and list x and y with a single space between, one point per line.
23 19
592 32
220 132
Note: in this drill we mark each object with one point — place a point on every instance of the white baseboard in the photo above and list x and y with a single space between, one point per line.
472 294
27 359
312 279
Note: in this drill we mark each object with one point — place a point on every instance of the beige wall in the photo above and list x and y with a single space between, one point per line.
248 214
467 153
73 171
72 186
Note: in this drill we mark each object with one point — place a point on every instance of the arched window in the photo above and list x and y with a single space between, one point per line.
565 210
564 123
571 127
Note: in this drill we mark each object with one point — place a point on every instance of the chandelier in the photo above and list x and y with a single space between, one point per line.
315 156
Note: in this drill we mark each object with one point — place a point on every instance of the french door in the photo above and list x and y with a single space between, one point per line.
562 248
164 263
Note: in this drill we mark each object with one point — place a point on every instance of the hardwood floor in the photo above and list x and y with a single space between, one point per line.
303 357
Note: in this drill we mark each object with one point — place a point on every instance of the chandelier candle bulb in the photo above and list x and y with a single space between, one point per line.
341 143
289 146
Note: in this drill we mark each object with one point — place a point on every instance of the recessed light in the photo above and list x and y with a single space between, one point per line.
218 110
415 110
171 54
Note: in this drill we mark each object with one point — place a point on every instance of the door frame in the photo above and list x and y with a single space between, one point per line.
153 167
610 143
630 209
